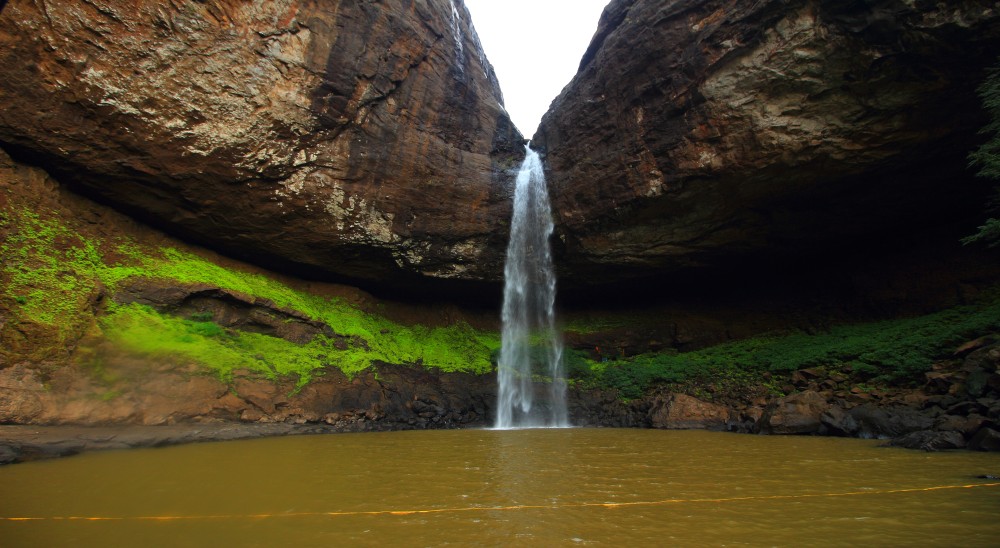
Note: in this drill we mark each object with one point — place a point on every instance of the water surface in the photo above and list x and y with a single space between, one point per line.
516 487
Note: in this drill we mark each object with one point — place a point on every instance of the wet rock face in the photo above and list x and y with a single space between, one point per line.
683 412
363 139
699 133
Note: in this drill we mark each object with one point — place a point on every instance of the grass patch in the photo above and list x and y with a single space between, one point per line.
40 280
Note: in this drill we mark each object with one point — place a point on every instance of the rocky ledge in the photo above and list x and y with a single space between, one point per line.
381 398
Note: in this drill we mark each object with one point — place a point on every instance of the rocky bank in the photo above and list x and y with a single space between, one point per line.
957 407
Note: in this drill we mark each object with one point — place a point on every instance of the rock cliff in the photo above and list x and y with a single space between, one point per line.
366 141
717 133
361 139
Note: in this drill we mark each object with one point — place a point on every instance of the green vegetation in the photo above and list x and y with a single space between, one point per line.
48 279
375 339
608 322
987 157
54 287
53 276
988 233
894 351
144 331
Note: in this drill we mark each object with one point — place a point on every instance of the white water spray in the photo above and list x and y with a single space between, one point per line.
530 343
456 33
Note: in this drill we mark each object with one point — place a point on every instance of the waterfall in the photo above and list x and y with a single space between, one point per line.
456 33
530 343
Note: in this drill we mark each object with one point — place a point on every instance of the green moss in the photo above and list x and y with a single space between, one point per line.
49 273
52 274
454 348
110 395
143 331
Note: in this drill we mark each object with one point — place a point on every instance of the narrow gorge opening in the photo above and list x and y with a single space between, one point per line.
532 71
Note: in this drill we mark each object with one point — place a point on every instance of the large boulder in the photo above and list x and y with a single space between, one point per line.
930 440
702 133
683 412
366 140
799 413
889 421
987 439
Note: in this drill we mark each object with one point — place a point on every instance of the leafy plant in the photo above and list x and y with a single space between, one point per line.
201 317
987 156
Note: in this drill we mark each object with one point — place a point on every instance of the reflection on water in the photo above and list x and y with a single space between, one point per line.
526 471
520 487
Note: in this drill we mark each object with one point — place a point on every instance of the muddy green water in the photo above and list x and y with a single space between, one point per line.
519 488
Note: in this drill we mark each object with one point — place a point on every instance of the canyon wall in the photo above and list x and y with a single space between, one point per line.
366 142
357 140
721 133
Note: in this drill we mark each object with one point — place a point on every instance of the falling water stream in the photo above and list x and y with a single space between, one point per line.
456 33
530 343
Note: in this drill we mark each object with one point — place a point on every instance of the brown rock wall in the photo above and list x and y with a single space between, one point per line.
391 397
703 133
360 139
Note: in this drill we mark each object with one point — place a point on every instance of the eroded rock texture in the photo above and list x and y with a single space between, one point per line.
360 138
704 133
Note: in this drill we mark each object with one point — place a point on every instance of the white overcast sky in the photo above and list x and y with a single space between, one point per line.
535 47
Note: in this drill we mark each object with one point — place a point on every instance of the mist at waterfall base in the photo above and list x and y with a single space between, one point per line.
530 342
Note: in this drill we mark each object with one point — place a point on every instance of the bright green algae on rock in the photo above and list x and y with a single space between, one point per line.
53 278
142 330
49 278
